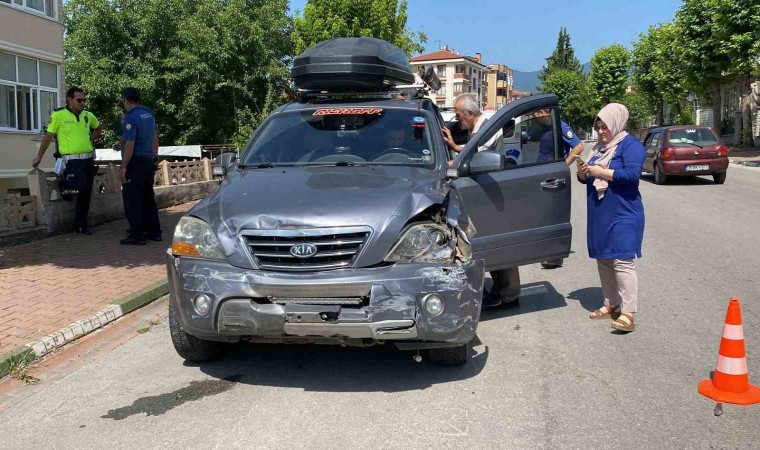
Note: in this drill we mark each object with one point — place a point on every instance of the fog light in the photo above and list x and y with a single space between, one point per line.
201 304
434 305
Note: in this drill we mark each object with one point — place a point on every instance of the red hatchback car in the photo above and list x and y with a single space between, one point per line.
685 151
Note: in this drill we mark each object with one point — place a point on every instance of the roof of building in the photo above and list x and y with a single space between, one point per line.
440 54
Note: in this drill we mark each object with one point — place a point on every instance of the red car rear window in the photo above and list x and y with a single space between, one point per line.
686 137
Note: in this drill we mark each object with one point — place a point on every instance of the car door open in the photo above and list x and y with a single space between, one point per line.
520 214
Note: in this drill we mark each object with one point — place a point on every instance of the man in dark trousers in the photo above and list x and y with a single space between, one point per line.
140 148
75 129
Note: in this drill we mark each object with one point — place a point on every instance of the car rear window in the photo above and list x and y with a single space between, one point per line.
357 135
692 136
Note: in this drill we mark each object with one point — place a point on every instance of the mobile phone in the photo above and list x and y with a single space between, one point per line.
579 159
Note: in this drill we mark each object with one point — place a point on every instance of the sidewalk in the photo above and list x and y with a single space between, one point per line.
51 283
744 155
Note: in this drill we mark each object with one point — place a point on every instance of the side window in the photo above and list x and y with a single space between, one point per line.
648 140
655 143
530 140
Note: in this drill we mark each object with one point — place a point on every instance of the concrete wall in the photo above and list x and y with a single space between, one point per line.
106 207
28 33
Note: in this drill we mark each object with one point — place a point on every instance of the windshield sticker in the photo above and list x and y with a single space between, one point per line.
418 122
347 111
691 130
425 152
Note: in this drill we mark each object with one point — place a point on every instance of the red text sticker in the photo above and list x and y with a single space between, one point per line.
347 111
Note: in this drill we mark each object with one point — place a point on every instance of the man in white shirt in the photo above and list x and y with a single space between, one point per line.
506 282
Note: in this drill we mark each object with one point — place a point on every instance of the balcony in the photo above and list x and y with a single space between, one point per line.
461 76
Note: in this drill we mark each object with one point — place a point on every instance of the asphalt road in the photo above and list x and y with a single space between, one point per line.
542 375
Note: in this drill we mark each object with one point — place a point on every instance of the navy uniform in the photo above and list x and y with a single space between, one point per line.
139 127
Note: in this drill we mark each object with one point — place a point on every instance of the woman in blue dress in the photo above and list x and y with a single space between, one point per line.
615 214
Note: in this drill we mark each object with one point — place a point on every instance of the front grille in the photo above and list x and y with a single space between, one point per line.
337 248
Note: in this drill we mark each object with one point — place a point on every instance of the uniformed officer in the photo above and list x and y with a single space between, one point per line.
76 129
571 146
137 171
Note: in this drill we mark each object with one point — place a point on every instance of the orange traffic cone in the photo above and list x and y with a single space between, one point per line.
730 383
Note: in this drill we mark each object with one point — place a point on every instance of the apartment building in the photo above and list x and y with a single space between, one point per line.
31 83
458 73
499 86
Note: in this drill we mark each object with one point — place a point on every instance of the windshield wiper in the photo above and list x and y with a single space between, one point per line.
257 166
688 143
336 164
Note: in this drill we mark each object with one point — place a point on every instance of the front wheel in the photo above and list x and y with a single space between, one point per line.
659 177
449 356
719 178
190 347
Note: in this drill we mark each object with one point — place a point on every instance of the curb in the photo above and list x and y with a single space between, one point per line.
117 308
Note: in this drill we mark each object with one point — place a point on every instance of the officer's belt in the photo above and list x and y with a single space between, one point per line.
89 155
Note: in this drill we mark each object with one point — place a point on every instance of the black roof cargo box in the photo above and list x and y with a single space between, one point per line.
352 64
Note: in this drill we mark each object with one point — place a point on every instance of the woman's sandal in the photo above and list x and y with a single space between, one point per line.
605 312
624 323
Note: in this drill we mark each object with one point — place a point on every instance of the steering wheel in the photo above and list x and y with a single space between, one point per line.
396 151
338 158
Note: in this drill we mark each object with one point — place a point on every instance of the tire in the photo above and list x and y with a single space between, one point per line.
449 356
719 178
659 177
190 347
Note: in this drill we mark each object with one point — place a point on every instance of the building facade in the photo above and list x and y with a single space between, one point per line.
500 79
31 83
458 74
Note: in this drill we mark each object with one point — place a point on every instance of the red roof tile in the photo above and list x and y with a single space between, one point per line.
441 54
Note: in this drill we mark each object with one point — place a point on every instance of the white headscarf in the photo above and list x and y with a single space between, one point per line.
615 117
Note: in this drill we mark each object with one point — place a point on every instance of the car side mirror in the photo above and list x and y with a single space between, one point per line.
486 162
225 162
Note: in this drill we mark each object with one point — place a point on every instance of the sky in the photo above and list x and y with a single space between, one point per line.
522 34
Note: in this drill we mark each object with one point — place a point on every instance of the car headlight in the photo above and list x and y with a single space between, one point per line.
194 237
423 243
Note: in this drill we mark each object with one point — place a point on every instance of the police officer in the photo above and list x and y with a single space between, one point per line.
571 146
75 129
140 148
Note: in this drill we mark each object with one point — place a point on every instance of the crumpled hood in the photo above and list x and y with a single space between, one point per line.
381 197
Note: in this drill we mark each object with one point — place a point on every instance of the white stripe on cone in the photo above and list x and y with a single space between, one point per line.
731 366
734 332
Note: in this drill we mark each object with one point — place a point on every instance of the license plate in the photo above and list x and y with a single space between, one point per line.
697 168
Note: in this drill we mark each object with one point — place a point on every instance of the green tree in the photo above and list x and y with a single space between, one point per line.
610 68
639 110
200 64
382 19
658 68
576 103
737 27
563 58
704 58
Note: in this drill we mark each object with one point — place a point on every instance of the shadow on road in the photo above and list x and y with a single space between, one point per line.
682 180
534 297
318 368
590 298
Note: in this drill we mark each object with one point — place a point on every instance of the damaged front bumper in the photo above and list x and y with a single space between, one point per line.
359 305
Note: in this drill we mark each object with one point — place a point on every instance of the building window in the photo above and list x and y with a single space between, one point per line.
460 69
28 92
458 87
442 91
47 7
441 71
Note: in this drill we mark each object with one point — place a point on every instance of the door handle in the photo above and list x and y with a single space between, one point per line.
553 184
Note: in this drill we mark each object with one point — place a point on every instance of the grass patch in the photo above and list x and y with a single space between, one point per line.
147 327
15 364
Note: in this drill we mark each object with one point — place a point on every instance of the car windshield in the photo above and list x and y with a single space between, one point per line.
689 137
344 136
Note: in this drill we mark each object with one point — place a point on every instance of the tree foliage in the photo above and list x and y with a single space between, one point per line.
200 64
563 58
382 19
610 68
575 101
658 64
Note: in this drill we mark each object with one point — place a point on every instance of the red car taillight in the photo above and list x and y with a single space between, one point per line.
668 153
723 151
